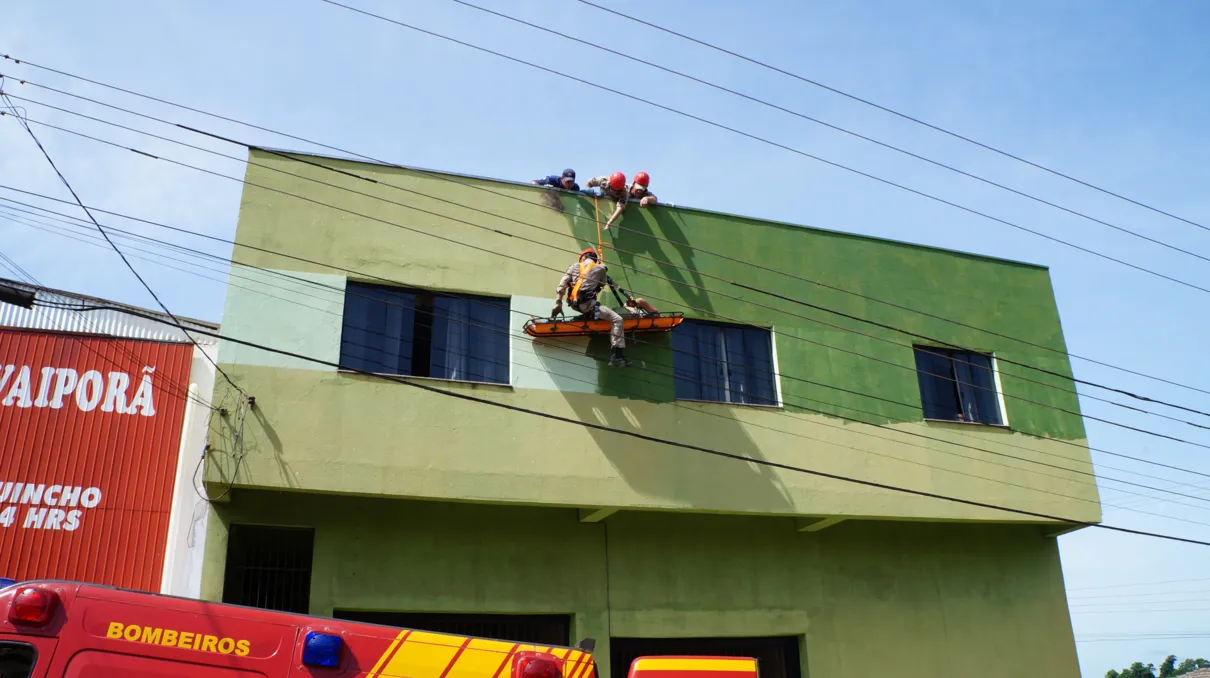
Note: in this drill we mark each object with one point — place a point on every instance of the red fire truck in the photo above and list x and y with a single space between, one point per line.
52 629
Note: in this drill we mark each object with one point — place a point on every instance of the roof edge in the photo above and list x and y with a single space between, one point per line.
699 210
114 305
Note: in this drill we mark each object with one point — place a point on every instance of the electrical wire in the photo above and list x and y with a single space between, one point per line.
342 292
1081 447
894 112
1136 584
695 448
837 128
170 386
130 266
452 179
548 245
775 144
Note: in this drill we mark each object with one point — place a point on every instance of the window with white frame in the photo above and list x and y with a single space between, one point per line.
723 363
958 385
393 330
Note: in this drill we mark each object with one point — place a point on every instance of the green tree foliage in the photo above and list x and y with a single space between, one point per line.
1191 664
1136 670
1168 668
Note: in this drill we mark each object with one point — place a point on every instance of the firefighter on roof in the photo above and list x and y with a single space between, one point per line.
565 181
613 187
582 282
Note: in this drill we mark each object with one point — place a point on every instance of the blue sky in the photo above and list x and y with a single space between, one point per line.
1113 93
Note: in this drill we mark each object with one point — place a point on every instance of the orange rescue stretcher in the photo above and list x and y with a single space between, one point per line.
581 326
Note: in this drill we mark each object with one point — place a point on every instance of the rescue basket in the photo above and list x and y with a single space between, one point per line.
581 326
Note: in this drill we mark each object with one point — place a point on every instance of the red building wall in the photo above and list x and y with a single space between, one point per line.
90 432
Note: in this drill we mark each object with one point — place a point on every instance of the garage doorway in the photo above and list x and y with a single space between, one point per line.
539 629
777 655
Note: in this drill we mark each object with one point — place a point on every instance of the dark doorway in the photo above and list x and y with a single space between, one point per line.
777 657
269 567
539 629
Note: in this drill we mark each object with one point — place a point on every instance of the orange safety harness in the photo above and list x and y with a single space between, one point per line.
585 267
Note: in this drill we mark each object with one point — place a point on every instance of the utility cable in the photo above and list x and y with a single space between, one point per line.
548 245
758 290
770 142
171 386
808 381
694 448
455 180
130 266
837 128
340 291
886 109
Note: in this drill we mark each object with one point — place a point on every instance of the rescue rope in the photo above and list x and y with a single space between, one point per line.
596 208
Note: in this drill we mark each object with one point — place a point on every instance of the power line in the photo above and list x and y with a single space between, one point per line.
336 290
548 245
770 142
1145 583
400 283
895 113
837 128
665 374
451 179
613 246
1151 636
1082 447
1150 594
696 448
130 266
170 385
356 191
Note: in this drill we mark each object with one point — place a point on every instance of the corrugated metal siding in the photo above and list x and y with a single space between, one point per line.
130 458
107 322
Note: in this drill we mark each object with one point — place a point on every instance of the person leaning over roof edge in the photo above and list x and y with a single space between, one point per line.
582 282
613 187
565 181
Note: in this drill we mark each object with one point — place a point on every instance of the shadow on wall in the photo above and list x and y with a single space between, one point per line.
639 252
636 238
643 401
258 439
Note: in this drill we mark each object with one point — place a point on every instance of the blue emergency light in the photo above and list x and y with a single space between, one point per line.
6 582
322 649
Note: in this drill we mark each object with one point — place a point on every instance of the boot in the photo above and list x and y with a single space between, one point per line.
617 359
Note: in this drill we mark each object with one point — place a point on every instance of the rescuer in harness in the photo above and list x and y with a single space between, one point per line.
582 282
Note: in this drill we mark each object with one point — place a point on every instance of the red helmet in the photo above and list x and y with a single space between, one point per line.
591 251
617 181
642 179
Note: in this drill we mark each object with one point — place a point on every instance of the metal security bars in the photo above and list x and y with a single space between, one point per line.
269 567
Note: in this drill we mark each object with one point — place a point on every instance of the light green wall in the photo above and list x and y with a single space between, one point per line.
316 429
928 599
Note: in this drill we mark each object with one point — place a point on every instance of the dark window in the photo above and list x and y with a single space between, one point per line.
269 567
16 660
394 330
539 629
957 386
723 363
777 656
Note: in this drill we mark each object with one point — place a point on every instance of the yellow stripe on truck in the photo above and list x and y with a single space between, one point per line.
423 655
430 655
677 664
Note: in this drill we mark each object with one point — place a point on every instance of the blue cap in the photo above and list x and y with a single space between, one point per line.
5 582
569 173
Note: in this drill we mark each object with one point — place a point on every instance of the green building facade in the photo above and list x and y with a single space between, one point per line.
378 500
